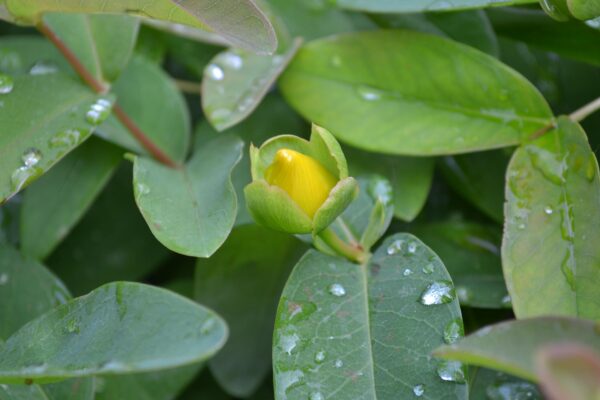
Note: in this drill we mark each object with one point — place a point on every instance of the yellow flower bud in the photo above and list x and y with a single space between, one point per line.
303 178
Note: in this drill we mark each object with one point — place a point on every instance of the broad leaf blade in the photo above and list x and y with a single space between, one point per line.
239 21
56 202
190 210
406 6
43 118
102 43
242 282
511 346
149 96
347 331
110 331
549 256
402 92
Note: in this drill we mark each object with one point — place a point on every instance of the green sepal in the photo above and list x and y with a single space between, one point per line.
273 208
338 200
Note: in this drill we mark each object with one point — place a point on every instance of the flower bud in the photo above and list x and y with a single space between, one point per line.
299 186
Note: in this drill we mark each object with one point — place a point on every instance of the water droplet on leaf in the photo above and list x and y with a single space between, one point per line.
439 292
320 356
395 247
428 269
337 290
6 84
453 331
31 157
43 68
418 390
215 72
451 371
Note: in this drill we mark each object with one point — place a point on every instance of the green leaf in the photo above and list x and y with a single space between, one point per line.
27 290
156 385
22 54
149 96
236 81
394 6
102 43
110 331
569 39
43 118
471 253
494 385
111 242
53 205
511 346
403 92
190 210
242 282
479 179
410 178
583 9
347 331
549 254
239 21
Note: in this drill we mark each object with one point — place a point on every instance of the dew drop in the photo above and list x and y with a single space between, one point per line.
215 72
9 60
548 210
453 331
43 68
6 84
464 295
407 272
439 292
68 138
418 390
220 113
506 301
4 279
451 371
22 176
395 247
380 189
339 363
428 269
287 380
98 112
521 226
73 326
320 356
505 389
31 157
288 342
412 248
231 60
316 396
337 290
593 23
208 326
369 93
142 189
548 164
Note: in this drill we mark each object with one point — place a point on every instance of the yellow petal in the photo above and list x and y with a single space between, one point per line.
303 178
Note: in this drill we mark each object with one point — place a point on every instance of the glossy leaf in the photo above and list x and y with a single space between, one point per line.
570 39
111 242
102 43
549 254
479 178
402 92
43 118
511 346
149 96
239 21
242 282
56 202
390 6
347 331
471 253
410 178
190 210
110 331
236 81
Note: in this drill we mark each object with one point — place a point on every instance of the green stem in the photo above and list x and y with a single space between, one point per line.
347 232
586 110
352 253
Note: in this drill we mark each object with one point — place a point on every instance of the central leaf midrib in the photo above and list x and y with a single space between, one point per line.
393 95
364 282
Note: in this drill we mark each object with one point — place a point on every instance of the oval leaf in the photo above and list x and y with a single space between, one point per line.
406 6
511 346
549 256
190 210
403 92
111 331
347 331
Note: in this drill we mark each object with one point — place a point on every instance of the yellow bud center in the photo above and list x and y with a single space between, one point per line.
303 178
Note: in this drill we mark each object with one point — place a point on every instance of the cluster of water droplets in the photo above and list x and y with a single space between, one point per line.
98 111
28 170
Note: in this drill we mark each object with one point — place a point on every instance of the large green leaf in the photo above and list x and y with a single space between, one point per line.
111 242
403 92
102 43
43 118
570 39
471 253
111 331
410 178
239 21
242 282
236 81
349 331
511 346
27 290
549 254
190 210
54 204
149 96
479 178
406 6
